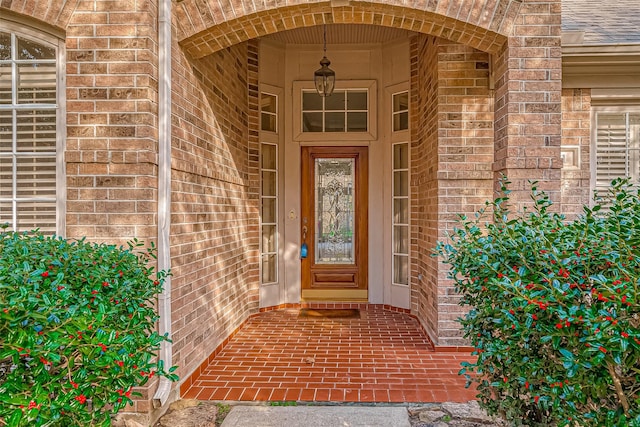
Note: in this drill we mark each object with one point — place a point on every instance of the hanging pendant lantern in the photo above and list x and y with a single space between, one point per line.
325 77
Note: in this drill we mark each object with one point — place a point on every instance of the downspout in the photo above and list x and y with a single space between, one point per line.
164 191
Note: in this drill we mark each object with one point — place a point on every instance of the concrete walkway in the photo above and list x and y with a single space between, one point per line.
317 416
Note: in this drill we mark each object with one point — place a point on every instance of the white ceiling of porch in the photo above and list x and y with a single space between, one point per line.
339 34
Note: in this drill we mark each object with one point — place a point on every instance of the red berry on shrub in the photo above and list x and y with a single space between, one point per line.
45 274
81 398
602 349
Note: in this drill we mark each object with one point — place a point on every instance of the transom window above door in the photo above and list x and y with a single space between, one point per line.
343 111
348 114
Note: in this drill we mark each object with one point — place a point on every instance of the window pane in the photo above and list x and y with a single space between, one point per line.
401 156
268 183
268 122
268 210
6 212
31 50
5 46
357 122
268 238
36 177
36 130
400 102
311 101
335 101
6 177
400 270
357 100
312 122
400 239
268 156
400 183
268 268
5 83
401 121
268 103
6 132
401 211
37 84
40 215
334 122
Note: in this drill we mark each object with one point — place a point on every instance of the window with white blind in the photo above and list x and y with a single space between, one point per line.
29 129
617 153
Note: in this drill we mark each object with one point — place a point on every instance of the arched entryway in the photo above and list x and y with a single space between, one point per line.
483 91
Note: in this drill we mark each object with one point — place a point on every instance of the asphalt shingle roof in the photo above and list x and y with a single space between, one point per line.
603 21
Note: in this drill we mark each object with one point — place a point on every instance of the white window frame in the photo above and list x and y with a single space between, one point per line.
275 224
344 85
22 30
595 112
269 113
395 197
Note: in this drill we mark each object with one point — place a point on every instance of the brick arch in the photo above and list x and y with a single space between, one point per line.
53 12
212 25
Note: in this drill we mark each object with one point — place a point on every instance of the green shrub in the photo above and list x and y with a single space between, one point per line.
77 329
554 310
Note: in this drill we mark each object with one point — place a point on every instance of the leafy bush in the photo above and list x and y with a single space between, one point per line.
77 329
554 310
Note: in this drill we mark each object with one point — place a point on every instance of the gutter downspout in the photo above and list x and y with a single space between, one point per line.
164 191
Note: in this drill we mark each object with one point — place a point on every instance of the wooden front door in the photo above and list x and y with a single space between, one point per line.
334 223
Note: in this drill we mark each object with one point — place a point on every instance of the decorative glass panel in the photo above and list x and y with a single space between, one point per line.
401 156
400 102
334 211
268 103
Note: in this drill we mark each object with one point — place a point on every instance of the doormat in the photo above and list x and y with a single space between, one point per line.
331 313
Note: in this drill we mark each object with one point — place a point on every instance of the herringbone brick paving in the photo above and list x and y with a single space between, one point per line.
380 357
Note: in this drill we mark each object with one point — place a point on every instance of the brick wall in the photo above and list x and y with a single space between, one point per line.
576 139
465 157
528 102
452 155
423 183
111 145
214 232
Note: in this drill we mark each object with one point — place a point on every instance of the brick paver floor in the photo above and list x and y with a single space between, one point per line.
380 357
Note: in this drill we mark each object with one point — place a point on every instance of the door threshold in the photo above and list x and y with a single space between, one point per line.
340 295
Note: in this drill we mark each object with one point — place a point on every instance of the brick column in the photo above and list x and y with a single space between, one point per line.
528 85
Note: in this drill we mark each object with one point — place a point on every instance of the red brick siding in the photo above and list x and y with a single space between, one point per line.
214 233
576 132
